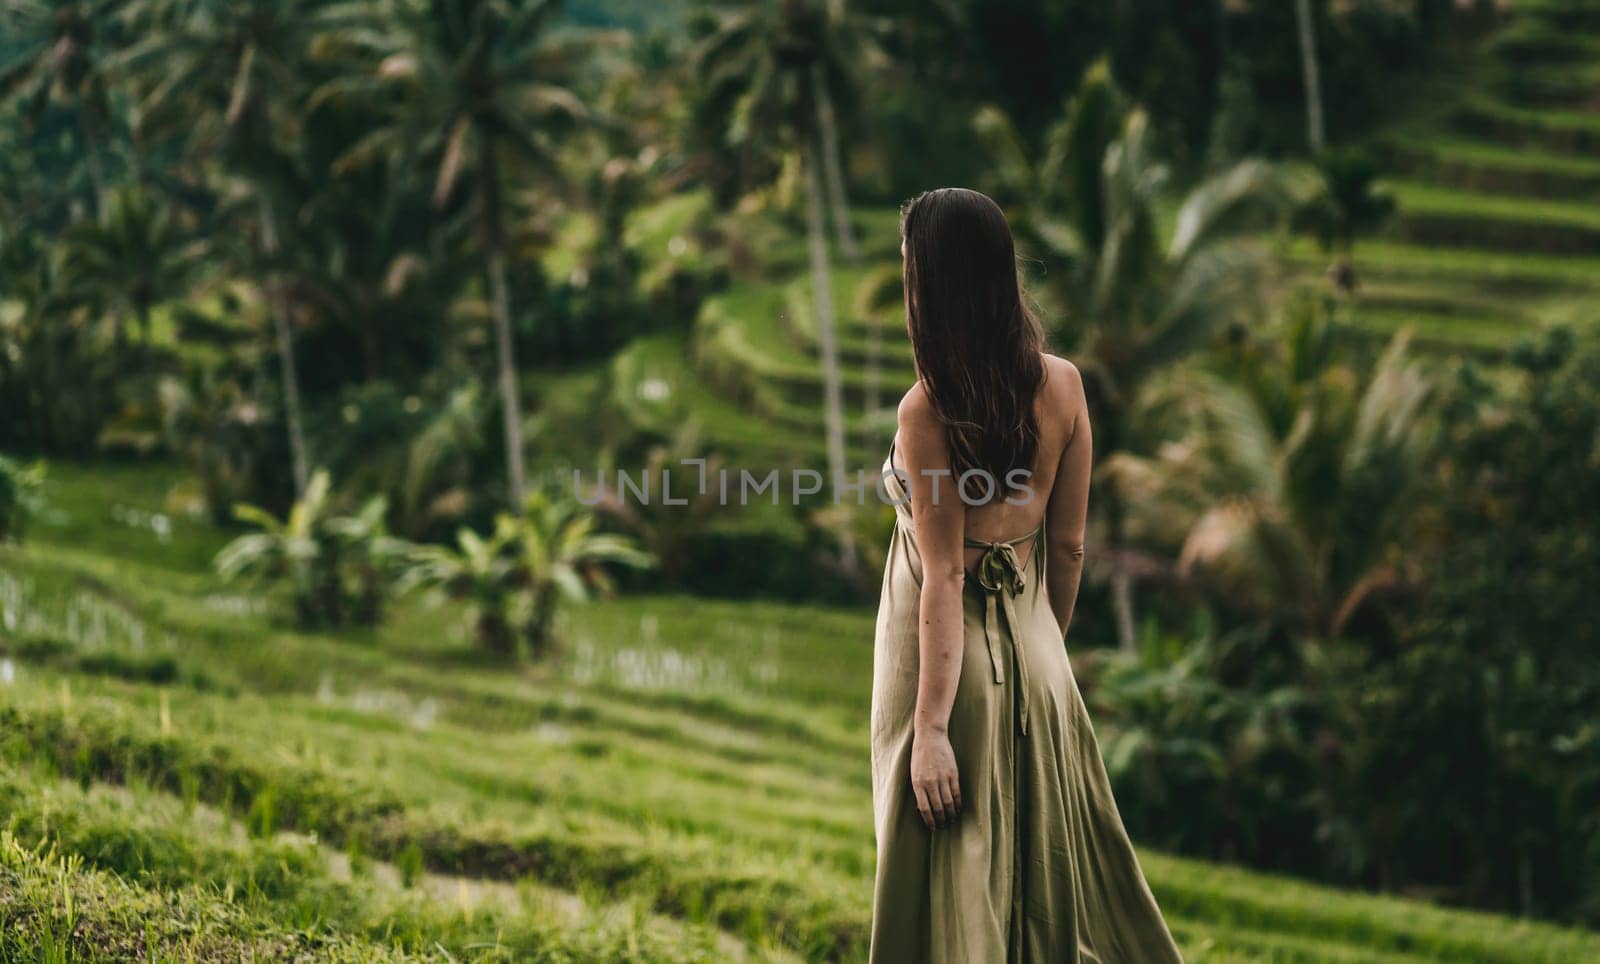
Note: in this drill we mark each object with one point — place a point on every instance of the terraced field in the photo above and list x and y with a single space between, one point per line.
1498 184
749 371
1498 235
181 774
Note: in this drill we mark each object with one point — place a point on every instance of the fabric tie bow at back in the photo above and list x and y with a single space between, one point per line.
1000 576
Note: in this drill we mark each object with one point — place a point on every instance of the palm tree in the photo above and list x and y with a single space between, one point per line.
60 57
563 557
1133 302
130 260
1285 487
1346 202
523 569
224 75
881 292
782 65
336 566
285 549
480 570
473 86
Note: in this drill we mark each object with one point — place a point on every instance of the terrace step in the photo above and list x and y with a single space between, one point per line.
1482 336
659 391
1435 302
1562 14
1491 272
1435 215
1531 43
1562 131
1490 167
741 346
1563 86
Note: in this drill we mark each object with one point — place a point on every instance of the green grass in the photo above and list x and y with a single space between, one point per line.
1562 129
1463 268
1490 158
659 389
291 885
1422 199
689 782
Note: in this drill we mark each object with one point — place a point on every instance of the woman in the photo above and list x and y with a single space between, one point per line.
998 838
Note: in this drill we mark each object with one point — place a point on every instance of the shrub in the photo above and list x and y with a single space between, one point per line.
337 567
19 495
519 574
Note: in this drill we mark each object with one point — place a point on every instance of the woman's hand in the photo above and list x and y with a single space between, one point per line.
934 778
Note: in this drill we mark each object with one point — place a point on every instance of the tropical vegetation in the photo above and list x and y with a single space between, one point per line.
325 316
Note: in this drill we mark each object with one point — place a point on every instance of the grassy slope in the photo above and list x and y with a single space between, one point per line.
689 784
1498 236
1498 187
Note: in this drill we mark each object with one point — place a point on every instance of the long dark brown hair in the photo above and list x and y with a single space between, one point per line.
976 344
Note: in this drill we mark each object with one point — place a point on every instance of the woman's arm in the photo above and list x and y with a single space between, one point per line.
940 521
1068 510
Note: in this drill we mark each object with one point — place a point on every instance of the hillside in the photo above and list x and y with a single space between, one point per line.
684 786
1497 236
1498 186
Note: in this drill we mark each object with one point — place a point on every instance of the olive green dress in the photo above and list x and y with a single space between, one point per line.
1038 866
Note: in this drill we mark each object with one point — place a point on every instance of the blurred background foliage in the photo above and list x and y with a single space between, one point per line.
378 277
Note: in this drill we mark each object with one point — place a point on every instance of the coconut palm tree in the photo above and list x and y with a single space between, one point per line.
471 87
131 259
336 566
480 570
1284 487
59 55
1133 299
782 66
563 557
225 76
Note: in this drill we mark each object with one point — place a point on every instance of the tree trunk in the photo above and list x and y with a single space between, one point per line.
285 335
494 244
839 203
508 377
495 635
1122 608
1313 81
541 627
1121 578
822 298
822 307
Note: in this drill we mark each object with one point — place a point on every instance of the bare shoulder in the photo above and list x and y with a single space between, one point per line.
919 428
1063 383
915 412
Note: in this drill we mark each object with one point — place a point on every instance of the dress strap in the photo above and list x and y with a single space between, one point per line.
1001 578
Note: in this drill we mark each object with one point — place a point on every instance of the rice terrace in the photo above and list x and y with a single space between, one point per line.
312 313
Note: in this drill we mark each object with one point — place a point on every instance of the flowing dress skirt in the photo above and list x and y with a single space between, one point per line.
1038 867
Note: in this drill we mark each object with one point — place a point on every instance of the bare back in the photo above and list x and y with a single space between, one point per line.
1057 487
